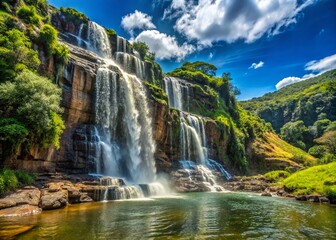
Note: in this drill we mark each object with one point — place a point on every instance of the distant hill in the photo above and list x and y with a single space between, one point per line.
300 112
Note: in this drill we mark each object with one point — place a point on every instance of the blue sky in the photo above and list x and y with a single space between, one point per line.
264 44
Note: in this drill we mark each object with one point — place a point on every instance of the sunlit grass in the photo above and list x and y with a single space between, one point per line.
318 179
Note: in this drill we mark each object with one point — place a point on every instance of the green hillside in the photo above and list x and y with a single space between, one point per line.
302 113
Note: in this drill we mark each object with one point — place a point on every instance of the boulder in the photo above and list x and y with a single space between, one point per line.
20 197
266 194
54 200
21 210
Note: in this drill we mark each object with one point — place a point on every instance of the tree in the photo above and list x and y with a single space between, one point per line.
16 54
204 67
142 48
294 133
34 101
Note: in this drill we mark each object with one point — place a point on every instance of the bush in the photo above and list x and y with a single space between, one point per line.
9 178
61 53
33 100
276 176
317 151
48 37
72 15
29 15
24 178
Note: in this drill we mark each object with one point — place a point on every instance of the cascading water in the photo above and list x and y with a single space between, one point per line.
121 44
177 93
123 123
131 64
98 40
193 143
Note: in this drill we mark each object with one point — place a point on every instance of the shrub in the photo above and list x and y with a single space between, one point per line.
12 134
72 15
24 178
33 100
317 151
276 176
48 37
10 180
29 15
61 54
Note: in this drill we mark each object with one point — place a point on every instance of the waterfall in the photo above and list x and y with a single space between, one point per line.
80 33
193 139
121 44
131 64
193 142
123 145
99 41
177 93
121 101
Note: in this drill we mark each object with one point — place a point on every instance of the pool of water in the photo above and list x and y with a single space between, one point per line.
184 216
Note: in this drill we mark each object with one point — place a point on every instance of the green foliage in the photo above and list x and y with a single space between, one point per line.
16 54
11 179
24 178
62 54
33 100
48 37
206 68
318 179
110 32
29 15
142 48
41 6
294 133
72 15
276 176
12 134
317 151
157 93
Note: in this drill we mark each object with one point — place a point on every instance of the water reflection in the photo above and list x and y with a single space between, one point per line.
195 216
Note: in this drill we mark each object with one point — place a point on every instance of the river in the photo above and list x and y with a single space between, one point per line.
184 216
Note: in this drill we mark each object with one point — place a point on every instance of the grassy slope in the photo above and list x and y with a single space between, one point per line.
319 179
279 154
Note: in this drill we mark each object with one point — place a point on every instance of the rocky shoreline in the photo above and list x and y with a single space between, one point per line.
259 184
54 191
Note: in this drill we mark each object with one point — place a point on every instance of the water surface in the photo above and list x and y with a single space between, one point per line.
187 216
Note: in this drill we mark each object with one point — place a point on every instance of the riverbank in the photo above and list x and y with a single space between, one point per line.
54 191
260 184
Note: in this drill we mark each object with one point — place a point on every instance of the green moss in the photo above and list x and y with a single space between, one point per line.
157 93
318 179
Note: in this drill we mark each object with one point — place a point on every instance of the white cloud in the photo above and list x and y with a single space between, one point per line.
230 20
322 65
288 80
318 67
164 46
137 20
257 65
211 55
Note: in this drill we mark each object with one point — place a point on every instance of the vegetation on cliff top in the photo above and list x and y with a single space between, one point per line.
29 103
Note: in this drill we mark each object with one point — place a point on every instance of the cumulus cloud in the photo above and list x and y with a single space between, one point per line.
137 20
317 67
257 65
322 65
164 46
230 20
